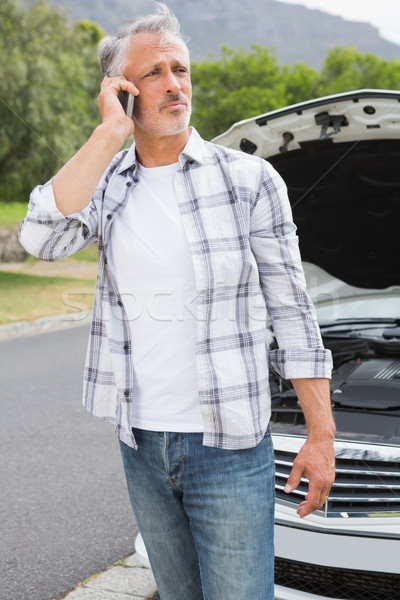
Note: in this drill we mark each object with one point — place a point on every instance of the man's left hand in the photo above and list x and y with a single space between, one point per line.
316 462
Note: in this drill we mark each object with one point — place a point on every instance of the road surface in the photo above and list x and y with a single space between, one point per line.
65 512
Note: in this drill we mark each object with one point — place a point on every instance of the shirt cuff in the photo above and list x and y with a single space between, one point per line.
43 205
299 363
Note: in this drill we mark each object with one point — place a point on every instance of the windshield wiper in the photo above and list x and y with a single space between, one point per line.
370 322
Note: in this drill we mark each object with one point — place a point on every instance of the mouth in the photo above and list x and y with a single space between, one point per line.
174 105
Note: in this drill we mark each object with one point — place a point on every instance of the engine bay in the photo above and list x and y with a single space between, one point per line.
365 384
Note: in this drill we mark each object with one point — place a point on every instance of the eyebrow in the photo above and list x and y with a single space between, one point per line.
161 63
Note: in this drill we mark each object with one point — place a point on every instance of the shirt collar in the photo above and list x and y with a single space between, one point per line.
193 151
128 161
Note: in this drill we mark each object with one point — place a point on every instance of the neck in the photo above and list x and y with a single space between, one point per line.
158 152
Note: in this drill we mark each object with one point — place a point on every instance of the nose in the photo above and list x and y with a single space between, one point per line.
172 83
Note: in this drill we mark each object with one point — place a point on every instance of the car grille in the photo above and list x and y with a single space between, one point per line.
361 487
329 582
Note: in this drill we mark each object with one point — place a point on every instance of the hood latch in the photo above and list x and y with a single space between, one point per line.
325 121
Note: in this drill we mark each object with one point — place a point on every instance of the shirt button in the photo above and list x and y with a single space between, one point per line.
126 347
109 217
128 183
119 302
126 393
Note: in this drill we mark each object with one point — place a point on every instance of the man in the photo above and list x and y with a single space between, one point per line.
196 244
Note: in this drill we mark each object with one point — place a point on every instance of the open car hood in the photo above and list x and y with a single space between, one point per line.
340 158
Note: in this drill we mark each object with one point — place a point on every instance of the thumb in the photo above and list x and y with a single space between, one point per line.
294 478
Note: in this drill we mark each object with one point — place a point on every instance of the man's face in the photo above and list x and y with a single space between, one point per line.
161 72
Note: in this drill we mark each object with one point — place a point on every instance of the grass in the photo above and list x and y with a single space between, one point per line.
29 297
88 255
12 213
25 297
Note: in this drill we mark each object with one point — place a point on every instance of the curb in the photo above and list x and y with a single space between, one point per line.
127 579
44 324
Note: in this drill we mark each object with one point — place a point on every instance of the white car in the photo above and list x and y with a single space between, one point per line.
340 158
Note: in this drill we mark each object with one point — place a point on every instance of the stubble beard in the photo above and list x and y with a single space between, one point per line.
156 123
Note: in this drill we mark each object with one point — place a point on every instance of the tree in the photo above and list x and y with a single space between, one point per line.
49 80
346 69
301 83
244 84
237 87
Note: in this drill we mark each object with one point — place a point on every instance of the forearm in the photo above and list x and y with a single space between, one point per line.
47 234
75 183
314 398
316 459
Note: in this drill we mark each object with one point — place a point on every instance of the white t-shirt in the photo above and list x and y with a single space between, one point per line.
154 273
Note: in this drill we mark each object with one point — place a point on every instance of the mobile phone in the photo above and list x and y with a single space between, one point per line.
127 101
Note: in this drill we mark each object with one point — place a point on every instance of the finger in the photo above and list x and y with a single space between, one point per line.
308 506
107 81
313 501
305 508
317 491
294 477
119 83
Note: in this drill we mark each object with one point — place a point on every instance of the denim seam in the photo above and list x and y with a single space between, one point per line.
173 481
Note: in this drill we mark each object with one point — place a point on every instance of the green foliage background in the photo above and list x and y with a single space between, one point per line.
49 82
245 84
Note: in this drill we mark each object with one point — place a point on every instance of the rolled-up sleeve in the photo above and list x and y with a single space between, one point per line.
274 242
48 234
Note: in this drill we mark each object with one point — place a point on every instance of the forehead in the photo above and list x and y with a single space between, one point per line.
148 49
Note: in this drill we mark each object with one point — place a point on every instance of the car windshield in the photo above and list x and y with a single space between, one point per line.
372 307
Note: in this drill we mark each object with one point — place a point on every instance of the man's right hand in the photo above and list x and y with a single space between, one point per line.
111 110
76 182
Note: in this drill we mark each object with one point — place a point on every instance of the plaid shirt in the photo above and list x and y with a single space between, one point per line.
238 223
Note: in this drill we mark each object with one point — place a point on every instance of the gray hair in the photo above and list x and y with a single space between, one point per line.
112 52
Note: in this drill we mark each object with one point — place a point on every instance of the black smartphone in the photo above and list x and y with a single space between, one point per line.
127 101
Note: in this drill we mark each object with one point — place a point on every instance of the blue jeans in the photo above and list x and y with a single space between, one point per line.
206 515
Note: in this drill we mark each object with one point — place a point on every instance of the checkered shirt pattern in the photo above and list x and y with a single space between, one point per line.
238 223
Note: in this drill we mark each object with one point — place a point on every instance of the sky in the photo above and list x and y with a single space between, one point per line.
383 14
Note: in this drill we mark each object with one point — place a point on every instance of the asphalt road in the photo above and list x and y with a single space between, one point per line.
65 512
